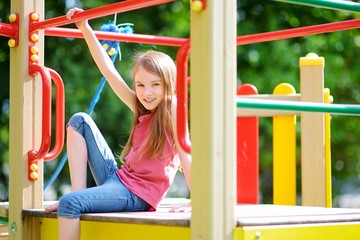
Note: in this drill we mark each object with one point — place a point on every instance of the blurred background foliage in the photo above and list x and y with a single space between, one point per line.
263 64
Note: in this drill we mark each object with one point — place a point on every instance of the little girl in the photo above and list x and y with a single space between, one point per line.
151 156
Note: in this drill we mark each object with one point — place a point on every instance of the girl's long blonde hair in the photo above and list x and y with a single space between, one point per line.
163 66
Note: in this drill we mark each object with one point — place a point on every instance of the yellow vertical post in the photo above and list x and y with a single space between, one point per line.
25 123
312 132
213 120
328 99
284 153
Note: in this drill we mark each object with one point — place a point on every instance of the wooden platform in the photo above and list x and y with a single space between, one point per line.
273 221
247 215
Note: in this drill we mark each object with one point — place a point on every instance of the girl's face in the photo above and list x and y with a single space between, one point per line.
149 89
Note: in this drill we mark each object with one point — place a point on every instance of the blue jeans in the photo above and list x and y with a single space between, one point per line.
110 195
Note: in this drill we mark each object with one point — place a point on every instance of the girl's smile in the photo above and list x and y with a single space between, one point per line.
149 89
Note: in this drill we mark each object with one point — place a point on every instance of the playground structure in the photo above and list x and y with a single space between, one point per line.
215 214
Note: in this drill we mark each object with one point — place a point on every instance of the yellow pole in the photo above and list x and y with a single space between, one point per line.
284 153
328 99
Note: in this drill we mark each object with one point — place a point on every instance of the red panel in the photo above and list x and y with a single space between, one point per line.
247 154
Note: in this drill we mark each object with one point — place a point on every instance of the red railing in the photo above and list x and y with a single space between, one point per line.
182 59
7 30
43 153
298 32
112 36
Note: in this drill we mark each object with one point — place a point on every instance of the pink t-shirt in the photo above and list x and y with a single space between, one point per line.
148 178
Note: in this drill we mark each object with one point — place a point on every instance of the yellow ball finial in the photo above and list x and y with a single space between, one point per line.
312 55
197 6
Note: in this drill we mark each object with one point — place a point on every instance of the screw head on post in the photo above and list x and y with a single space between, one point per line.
11 42
12 18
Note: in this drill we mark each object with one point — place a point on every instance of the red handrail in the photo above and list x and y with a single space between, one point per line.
96 13
43 153
182 58
60 116
33 155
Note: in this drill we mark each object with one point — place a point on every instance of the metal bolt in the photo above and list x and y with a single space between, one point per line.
13 228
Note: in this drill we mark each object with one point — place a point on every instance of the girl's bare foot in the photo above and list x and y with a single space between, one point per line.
52 207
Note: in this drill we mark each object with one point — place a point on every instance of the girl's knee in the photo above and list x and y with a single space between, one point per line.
69 206
78 118
76 121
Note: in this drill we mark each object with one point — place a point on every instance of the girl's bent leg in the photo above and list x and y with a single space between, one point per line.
86 141
77 155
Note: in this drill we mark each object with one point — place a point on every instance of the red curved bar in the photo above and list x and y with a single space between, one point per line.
60 116
182 58
298 32
106 10
34 155
124 37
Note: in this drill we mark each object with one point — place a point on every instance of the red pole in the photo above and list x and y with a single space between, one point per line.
298 32
112 36
106 10
247 154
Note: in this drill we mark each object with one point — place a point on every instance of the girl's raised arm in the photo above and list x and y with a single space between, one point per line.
104 62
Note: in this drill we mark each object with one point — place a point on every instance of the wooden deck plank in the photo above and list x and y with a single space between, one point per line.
263 215
247 215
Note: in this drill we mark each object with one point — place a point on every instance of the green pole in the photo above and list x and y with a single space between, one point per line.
340 109
330 4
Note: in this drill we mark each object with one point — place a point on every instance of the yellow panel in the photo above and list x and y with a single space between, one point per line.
343 231
284 153
123 231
